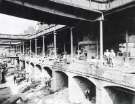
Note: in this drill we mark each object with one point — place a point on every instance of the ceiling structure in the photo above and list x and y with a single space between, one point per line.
64 12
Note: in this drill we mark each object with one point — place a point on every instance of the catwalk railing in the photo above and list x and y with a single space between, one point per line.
96 70
122 73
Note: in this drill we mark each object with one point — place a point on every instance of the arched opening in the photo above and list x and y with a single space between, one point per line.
27 62
48 71
38 67
31 71
17 60
37 73
119 95
22 65
83 89
61 80
17 63
32 65
27 67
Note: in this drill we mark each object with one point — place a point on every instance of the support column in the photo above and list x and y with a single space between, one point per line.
10 48
71 40
20 49
30 48
64 48
15 48
23 48
35 46
97 49
102 96
55 45
101 39
75 92
127 44
43 51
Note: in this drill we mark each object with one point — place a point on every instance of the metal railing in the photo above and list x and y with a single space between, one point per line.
108 74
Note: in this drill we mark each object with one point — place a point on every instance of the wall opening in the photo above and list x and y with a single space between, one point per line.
61 80
22 65
38 67
48 70
27 62
32 65
86 89
119 95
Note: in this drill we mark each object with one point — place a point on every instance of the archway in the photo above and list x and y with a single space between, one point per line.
60 80
22 64
119 95
27 69
31 71
82 89
48 71
38 67
37 73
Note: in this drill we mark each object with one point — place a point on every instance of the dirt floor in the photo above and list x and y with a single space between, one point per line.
30 93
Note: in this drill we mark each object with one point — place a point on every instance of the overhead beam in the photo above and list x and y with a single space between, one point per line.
121 7
54 10
13 37
80 6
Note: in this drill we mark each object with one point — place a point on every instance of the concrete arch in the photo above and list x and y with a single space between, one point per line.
32 64
109 84
31 71
17 61
38 67
84 88
27 62
48 70
60 80
119 95
22 64
37 72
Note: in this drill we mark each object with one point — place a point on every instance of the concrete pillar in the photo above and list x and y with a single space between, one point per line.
59 81
64 47
20 49
75 92
127 40
71 41
97 49
133 101
30 48
43 48
15 48
20 65
55 44
35 46
101 39
32 71
10 47
23 48
102 96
